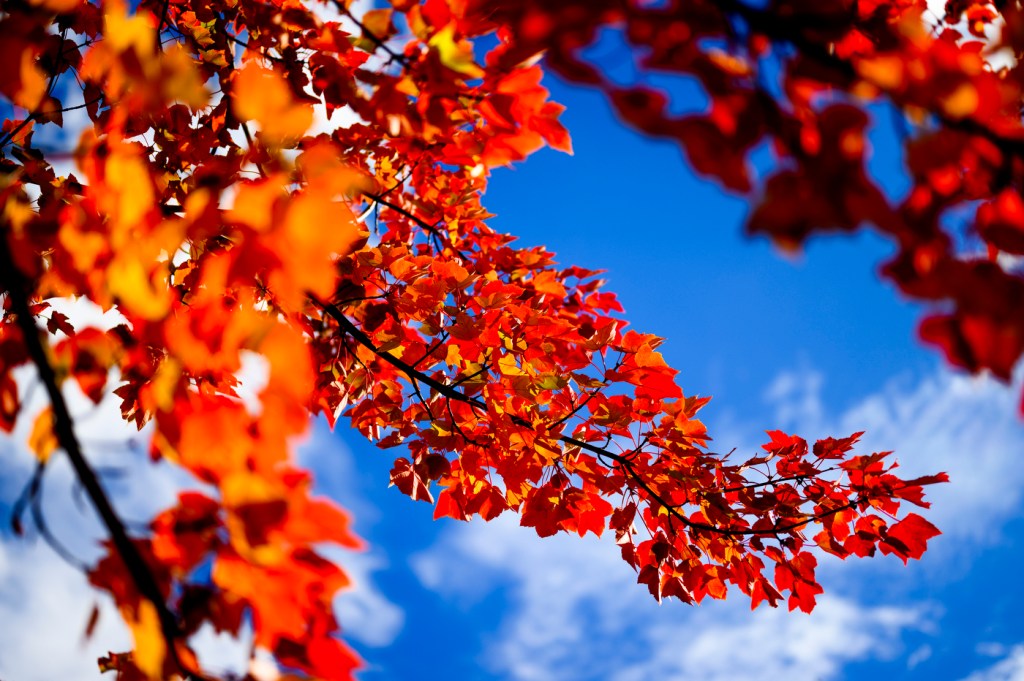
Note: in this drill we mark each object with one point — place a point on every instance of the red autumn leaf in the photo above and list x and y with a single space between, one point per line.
909 537
408 480
58 322
322 219
1001 222
913 490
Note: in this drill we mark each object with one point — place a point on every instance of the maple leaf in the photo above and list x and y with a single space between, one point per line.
262 95
456 55
407 479
229 223
909 537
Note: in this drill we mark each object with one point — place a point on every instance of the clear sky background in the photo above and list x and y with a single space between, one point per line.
816 345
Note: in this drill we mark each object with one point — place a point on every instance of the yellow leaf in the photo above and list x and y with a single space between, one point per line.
150 647
962 102
417 26
548 451
18 211
883 71
378 23
263 96
123 32
181 80
324 170
42 439
165 383
507 365
254 203
129 281
458 56
385 170
131 195
33 82
307 249
732 65
214 57
407 86
85 247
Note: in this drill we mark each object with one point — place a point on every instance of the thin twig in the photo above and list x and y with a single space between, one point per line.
400 58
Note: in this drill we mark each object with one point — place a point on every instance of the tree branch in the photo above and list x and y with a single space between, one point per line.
13 282
400 58
623 461
432 229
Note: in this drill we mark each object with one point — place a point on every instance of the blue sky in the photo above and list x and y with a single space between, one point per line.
816 345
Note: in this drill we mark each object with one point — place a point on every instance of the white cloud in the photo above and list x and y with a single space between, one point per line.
45 603
969 427
921 654
1010 668
772 644
44 609
364 612
796 396
578 613
553 580
991 649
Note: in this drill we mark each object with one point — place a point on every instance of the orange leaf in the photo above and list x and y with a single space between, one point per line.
42 439
262 95
150 647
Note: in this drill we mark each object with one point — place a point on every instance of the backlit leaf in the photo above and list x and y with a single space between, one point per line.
262 95
42 440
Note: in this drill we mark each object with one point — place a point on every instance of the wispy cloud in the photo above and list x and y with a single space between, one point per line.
45 603
1010 668
773 644
578 614
45 606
